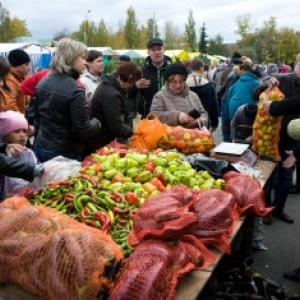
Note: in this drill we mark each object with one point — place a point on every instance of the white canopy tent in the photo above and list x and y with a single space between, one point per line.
37 53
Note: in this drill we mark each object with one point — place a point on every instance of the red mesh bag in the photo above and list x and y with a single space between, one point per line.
152 270
217 216
51 255
165 216
247 192
186 140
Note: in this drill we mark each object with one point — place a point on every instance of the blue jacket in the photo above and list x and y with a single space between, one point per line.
241 92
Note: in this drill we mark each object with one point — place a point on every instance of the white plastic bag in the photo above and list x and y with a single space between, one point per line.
56 169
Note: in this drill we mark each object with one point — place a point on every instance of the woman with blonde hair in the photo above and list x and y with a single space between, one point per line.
61 111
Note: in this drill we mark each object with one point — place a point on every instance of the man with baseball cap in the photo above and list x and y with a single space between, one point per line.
13 99
153 75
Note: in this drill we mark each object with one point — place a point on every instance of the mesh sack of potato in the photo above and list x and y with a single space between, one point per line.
266 129
51 255
187 141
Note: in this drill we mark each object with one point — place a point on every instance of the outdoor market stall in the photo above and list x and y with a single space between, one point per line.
172 219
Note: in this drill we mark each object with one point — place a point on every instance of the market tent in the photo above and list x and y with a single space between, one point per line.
40 56
131 53
106 51
177 55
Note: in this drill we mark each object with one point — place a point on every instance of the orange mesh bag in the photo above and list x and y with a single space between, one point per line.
217 217
266 129
148 133
152 270
165 216
51 255
247 192
186 140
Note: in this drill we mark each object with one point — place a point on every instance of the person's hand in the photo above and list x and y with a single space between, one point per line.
193 123
142 83
15 150
290 160
31 130
183 118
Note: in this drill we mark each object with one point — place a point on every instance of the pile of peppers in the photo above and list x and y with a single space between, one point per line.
84 199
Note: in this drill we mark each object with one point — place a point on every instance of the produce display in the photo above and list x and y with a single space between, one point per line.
152 134
51 255
114 183
266 128
153 269
186 140
153 206
248 194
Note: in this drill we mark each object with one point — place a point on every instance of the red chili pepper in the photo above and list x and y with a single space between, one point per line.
155 181
84 213
69 198
161 178
119 195
150 166
89 178
131 198
58 183
119 210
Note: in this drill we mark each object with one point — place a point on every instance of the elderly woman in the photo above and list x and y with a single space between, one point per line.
108 105
61 110
175 104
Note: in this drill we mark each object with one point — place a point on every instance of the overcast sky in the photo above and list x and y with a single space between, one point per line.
45 18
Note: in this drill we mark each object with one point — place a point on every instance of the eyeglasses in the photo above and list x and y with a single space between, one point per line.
177 82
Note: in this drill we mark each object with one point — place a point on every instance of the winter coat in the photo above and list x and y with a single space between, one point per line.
207 95
108 106
62 115
13 99
29 84
168 105
241 92
13 167
157 80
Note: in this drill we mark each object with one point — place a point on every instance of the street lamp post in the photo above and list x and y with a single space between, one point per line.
85 28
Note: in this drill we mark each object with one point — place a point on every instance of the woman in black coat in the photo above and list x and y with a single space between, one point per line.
108 106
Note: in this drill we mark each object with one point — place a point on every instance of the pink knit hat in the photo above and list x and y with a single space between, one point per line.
11 121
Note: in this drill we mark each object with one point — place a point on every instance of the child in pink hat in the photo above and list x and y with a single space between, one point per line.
14 130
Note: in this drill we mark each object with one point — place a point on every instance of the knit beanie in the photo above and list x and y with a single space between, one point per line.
250 110
18 57
11 121
178 68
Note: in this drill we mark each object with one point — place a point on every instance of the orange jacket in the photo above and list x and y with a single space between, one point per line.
13 99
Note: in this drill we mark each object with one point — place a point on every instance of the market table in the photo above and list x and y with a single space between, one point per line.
191 285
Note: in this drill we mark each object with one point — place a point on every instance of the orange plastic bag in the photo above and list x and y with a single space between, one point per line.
266 129
147 133
186 140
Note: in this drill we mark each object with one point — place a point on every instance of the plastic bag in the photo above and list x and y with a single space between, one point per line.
217 168
147 133
266 129
56 169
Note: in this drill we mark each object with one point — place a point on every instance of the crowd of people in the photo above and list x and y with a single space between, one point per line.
76 109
